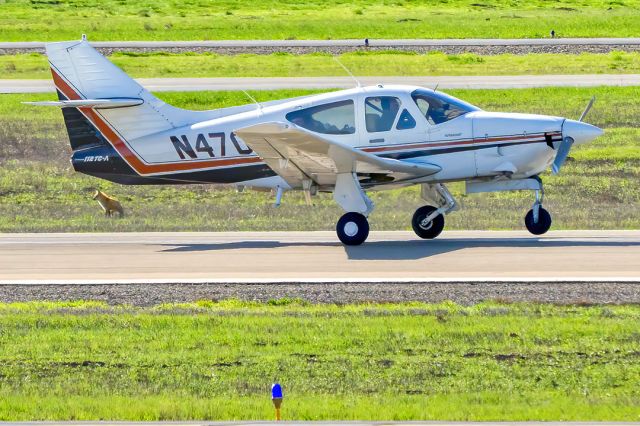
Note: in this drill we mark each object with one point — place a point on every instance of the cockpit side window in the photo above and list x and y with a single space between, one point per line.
380 113
439 108
406 121
336 118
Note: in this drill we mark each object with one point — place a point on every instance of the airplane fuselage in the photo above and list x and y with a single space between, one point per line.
474 145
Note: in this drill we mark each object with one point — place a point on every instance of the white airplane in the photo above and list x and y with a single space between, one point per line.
346 142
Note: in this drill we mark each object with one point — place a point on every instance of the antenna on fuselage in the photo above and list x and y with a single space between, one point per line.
348 72
435 89
252 99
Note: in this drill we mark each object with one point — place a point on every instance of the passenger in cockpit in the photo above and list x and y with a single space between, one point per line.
390 107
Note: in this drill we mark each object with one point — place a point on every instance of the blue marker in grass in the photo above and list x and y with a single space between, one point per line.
276 397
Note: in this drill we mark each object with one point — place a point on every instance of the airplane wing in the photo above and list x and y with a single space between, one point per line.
297 154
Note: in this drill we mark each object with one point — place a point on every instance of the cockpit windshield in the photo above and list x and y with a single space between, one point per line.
438 107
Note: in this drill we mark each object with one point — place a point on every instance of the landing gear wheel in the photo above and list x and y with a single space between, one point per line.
352 229
543 225
427 230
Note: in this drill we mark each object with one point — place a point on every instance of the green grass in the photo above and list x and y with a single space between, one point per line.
373 63
208 360
279 19
36 197
599 188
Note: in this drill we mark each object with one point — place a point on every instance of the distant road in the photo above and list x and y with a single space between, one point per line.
470 256
343 43
273 83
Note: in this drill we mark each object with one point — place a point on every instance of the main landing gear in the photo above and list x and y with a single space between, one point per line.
428 221
353 229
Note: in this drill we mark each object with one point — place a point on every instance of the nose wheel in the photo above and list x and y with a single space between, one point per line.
427 222
538 220
352 229
540 226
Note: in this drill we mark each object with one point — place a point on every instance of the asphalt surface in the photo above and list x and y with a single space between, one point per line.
273 83
348 42
299 257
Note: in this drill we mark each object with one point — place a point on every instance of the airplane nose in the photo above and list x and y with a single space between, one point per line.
580 132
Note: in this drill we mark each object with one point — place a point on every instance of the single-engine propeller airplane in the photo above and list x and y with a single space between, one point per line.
347 142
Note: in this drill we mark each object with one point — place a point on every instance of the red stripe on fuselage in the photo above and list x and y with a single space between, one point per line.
132 159
419 145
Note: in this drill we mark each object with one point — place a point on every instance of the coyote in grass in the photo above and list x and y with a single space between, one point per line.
108 204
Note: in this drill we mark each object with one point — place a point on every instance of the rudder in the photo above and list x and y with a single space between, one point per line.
80 72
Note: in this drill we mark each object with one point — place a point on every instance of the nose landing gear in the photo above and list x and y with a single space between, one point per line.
538 220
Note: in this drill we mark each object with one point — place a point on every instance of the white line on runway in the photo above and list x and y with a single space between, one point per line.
302 280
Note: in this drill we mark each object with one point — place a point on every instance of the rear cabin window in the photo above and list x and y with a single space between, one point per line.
336 118
380 113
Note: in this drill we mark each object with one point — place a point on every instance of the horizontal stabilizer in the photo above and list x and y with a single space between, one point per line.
92 103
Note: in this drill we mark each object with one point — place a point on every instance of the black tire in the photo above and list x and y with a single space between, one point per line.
430 230
543 225
352 229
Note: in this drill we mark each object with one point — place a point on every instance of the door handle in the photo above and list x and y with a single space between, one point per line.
379 140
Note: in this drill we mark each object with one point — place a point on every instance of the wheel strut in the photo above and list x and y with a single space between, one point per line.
538 220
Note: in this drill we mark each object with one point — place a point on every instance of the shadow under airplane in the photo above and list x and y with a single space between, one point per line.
410 250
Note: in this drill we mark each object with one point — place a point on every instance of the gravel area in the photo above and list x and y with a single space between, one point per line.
460 292
335 50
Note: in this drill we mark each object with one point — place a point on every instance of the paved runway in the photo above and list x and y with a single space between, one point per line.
273 83
342 43
318 256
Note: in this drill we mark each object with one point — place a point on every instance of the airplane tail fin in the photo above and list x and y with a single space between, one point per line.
86 79
113 122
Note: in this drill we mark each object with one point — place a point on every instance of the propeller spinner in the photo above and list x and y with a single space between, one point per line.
574 132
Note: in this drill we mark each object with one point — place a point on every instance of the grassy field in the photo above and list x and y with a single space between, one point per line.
288 19
598 189
371 63
217 360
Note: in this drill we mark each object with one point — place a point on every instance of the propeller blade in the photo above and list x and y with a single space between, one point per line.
586 110
561 155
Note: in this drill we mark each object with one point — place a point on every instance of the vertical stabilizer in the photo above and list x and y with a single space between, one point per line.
81 72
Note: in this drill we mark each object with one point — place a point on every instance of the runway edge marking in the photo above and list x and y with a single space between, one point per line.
478 280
